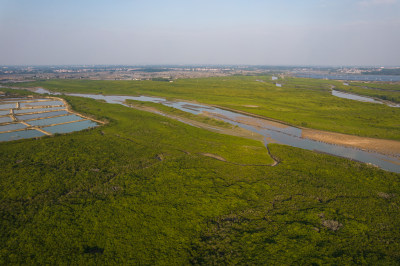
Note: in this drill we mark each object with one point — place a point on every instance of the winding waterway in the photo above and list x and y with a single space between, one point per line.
273 132
360 98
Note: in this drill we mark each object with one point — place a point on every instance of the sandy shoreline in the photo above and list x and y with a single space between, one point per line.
382 146
388 147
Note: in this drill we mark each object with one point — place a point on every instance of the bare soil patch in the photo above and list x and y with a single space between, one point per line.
258 122
332 224
214 156
251 106
388 147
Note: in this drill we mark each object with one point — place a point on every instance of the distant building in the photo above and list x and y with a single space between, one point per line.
274 78
278 85
345 84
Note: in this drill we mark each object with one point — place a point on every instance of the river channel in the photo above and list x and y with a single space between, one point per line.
273 132
360 98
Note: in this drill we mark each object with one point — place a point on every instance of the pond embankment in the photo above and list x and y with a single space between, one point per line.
31 117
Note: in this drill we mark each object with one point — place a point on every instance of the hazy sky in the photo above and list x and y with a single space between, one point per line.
268 32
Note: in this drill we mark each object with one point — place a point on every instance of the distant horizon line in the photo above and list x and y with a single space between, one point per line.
199 65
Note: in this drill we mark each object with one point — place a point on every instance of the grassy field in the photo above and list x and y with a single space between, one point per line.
139 191
300 102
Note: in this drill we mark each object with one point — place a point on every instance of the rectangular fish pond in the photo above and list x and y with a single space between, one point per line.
24 118
37 110
41 103
11 127
7 105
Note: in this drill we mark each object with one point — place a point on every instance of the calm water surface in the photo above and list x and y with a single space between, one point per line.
12 127
25 134
54 120
48 114
15 99
5 119
360 98
36 110
41 103
71 127
7 106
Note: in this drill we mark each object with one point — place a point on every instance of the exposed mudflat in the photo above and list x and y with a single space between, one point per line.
259 123
382 146
388 147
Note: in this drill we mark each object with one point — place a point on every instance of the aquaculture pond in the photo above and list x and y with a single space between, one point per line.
10 127
40 115
55 120
5 119
7 105
22 118
37 110
41 103
4 112
26 134
70 127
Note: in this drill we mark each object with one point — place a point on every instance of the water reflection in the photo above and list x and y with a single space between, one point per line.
67 128
55 120
25 134
360 98
12 127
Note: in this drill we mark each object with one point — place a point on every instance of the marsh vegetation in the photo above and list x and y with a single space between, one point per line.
300 102
141 190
